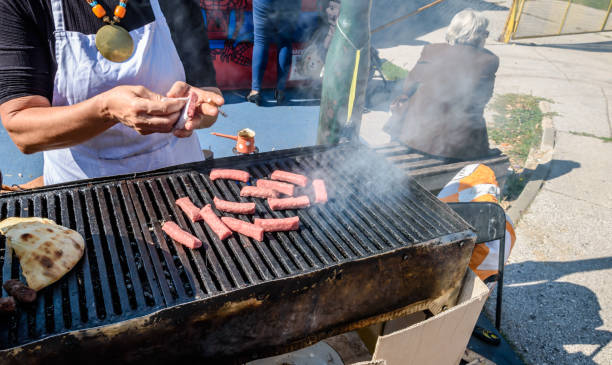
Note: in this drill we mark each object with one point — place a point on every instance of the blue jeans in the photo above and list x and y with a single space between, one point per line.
273 21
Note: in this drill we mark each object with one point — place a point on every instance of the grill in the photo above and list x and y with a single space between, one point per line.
381 243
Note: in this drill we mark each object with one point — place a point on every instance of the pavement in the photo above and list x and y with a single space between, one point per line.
557 306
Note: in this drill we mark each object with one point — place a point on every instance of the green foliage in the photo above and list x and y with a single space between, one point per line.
517 122
393 72
597 4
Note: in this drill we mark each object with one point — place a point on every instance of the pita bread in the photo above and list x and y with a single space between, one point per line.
46 251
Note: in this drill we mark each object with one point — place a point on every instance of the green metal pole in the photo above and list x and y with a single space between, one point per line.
347 69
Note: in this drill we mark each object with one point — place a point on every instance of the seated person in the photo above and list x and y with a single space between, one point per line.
441 109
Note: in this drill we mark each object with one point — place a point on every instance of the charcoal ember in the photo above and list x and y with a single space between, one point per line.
19 291
7 305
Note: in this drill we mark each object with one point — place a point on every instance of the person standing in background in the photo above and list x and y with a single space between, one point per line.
274 21
332 11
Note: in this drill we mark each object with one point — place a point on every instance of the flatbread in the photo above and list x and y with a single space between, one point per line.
9 222
46 251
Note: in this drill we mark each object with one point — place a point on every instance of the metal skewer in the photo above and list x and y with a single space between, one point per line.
223 114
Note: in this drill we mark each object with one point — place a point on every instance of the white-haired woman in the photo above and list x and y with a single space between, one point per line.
441 109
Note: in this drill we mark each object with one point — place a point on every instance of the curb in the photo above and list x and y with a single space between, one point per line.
536 180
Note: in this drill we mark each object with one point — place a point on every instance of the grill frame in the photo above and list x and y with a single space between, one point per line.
266 281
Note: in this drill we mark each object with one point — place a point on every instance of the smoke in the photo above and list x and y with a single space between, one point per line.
315 35
453 88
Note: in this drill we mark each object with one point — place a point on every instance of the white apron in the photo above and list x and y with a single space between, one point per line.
82 73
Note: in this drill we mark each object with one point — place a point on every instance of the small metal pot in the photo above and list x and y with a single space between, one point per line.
245 141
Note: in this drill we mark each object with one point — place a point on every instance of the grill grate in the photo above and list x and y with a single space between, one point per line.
131 268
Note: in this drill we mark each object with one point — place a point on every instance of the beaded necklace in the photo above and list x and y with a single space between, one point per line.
113 41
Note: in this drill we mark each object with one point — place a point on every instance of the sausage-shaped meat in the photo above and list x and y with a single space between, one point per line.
296 179
19 291
215 223
193 103
189 209
229 174
278 224
281 187
319 190
289 203
188 111
176 233
245 228
233 207
258 192
7 304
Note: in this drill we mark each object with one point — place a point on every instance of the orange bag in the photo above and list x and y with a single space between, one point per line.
477 183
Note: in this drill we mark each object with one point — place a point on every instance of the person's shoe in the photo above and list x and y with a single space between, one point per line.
254 97
279 95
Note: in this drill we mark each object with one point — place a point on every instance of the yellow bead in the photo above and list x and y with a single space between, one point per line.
120 11
99 11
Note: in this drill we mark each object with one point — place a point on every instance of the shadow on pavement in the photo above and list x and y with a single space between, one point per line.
600 47
560 168
556 169
502 354
553 270
302 96
558 320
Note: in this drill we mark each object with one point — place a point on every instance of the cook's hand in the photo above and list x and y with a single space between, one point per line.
207 110
141 109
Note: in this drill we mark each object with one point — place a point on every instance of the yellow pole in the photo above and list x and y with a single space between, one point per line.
520 13
351 100
603 26
513 19
569 3
509 27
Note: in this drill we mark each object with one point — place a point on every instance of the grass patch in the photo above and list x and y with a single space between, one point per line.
517 124
597 4
393 72
604 139
516 129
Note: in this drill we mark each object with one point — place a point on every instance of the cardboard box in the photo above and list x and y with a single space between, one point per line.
438 340
410 340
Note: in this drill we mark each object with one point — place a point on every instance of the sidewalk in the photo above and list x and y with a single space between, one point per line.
558 299
558 295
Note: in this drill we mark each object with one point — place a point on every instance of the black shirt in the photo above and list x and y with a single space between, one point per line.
27 52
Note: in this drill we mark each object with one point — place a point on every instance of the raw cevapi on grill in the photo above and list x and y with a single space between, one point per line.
264 188
141 297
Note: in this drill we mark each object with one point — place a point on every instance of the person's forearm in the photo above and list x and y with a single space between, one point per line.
36 126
